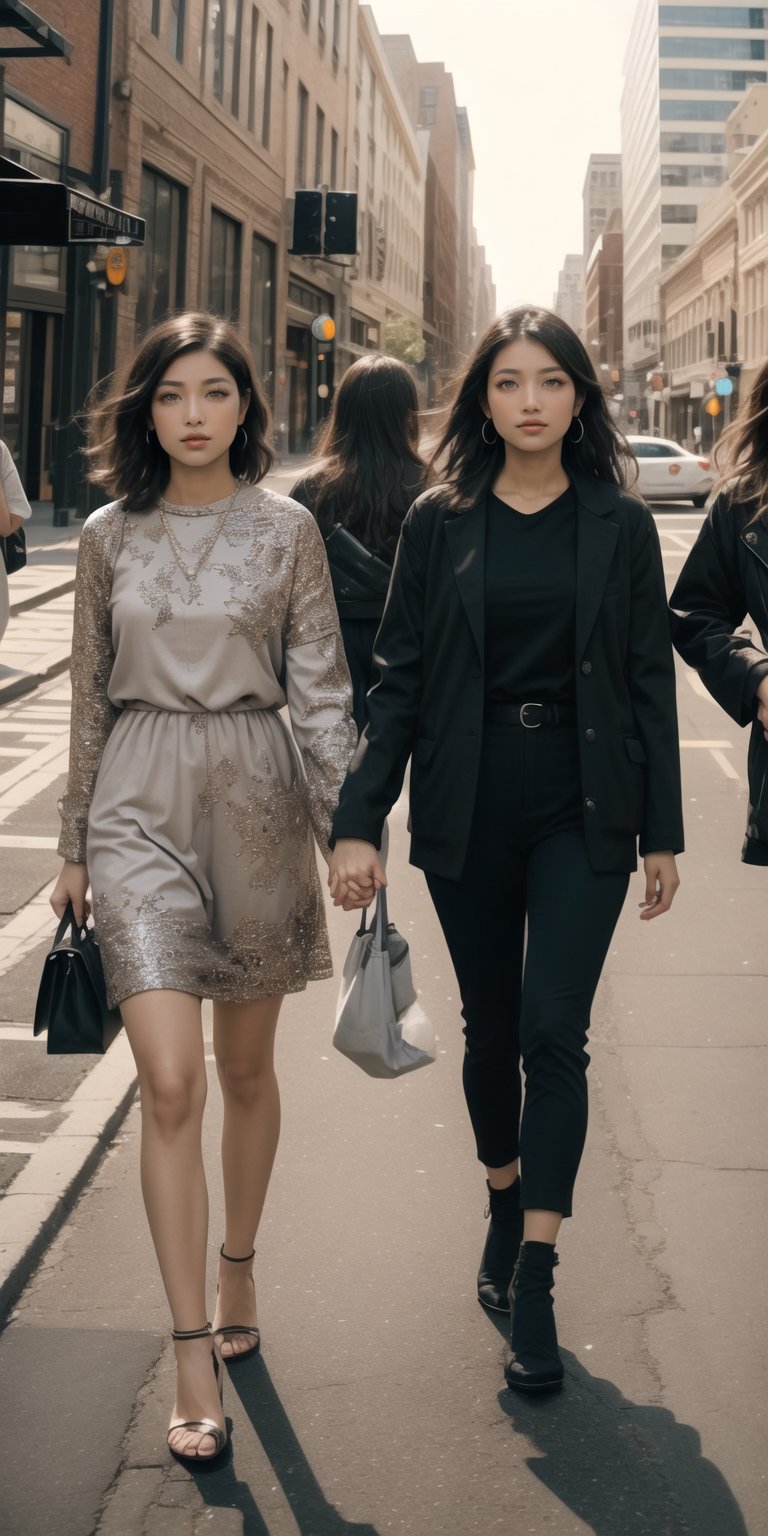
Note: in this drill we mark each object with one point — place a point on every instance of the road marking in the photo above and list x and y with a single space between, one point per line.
24 1147
710 746
722 762
697 685
9 840
14 1032
13 1109
676 538
16 751
26 929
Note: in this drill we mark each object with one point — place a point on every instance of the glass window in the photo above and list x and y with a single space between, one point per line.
695 111
39 145
302 113
693 175
678 213
161 260
262 316
693 143
319 146
336 43
710 79
752 16
266 115
168 17
670 252
334 159
223 40
711 48
427 107
224 269
253 69
321 24
214 46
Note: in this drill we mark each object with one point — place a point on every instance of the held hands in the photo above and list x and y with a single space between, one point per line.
661 882
355 874
72 885
762 705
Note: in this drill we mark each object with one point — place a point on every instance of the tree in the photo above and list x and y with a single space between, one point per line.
402 338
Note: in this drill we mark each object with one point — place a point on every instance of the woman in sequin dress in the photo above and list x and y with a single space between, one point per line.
203 606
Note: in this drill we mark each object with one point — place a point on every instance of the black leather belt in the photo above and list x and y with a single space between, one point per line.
530 715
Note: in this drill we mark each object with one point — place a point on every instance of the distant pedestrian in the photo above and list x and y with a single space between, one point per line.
368 473
14 510
203 606
724 581
525 666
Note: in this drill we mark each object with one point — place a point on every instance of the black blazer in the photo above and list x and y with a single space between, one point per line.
429 697
724 578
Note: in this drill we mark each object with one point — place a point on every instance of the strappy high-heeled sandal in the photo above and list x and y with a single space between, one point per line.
201 1426
234 1328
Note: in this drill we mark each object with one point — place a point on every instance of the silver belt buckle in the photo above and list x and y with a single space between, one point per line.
529 726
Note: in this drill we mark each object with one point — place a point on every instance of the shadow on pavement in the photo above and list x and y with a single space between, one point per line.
222 1489
626 1469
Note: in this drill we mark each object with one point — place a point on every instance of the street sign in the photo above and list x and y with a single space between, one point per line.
34 211
713 407
116 265
724 386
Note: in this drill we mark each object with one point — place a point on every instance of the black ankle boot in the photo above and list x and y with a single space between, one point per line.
534 1363
502 1246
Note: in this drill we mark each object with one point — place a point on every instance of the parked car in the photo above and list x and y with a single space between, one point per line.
668 472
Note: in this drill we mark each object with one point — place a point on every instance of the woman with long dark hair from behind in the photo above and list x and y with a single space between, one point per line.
525 666
203 605
725 580
367 475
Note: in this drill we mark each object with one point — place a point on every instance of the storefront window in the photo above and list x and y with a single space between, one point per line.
39 145
161 260
224 280
263 311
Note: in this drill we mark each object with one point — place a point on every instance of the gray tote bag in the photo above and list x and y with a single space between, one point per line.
380 1023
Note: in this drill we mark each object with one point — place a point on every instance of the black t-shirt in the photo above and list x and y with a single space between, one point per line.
530 601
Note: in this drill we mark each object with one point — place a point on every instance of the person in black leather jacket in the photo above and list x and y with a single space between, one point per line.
368 473
724 580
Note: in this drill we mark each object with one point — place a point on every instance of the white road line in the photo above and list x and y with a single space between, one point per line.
722 762
17 840
26 929
20 1032
697 685
14 1109
24 1147
676 538
709 746
16 751
42 759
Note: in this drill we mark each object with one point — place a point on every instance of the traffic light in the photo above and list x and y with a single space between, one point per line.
341 224
307 217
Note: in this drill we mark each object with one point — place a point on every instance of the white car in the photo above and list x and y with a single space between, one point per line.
667 472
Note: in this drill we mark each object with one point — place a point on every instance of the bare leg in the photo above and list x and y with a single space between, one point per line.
244 1041
502 1178
541 1226
165 1034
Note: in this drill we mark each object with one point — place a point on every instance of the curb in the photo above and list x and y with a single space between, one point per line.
26 682
37 1202
37 599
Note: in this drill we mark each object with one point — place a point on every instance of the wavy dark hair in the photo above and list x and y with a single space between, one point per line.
467 467
369 469
741 456
127 461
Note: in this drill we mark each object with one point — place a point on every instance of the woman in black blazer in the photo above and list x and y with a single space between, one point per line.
724 579
524 662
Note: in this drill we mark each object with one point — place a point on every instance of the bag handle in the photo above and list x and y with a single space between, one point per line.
379 921
68 921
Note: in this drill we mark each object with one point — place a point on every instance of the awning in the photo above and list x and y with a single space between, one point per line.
34 211
40 39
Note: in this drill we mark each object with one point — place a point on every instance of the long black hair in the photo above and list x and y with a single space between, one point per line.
126 459
464 463
369 470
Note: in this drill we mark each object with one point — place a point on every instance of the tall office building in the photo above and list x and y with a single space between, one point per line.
687 67
601 195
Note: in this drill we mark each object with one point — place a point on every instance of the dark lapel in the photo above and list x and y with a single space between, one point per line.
596 537
755 536
465 533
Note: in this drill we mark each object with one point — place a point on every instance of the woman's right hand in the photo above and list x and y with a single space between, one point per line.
355 874
72 885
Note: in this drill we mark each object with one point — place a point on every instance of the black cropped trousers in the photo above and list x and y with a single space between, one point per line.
528 926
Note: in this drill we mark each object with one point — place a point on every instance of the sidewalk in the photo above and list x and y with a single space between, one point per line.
37 643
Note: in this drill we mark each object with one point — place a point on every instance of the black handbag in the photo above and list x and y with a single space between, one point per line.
14 551
358 577
72 999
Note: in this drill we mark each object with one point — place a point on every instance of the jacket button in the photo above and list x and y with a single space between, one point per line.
586 667
589 804
751 538
590 734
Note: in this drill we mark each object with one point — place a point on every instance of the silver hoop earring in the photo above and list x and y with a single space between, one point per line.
147 437
244 443
578 439
489 441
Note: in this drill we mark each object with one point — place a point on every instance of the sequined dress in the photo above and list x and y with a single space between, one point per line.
187 796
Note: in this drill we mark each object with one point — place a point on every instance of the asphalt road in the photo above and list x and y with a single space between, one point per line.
378 1404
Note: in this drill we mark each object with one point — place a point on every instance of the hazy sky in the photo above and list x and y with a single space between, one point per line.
542 85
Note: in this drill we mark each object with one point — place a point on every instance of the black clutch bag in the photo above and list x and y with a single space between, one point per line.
357 576
14 551
72 1000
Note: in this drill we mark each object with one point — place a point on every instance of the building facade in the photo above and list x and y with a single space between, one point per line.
568 301
688 65
603 296
601 196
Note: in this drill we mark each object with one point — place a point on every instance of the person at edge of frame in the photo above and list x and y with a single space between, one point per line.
724 581
14 510
203 605
367 474
524 664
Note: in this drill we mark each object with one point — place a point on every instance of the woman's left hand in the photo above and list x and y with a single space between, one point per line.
661 882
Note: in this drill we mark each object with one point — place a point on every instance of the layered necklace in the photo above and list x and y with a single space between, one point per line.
206 546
